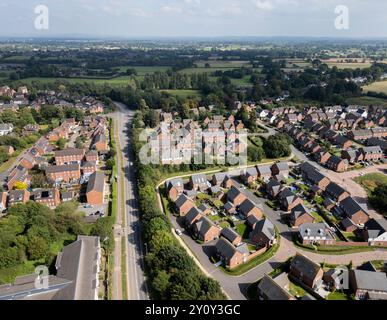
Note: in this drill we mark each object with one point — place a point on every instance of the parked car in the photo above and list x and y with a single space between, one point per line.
178 232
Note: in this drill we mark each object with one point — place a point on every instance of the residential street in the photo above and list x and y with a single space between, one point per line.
130 228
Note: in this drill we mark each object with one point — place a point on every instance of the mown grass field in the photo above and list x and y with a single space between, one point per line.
370 181
379 86
119 81
367 101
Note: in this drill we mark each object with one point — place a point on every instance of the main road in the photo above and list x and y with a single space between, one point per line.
128 222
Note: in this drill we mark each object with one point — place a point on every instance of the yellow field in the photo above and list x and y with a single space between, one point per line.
341 63
379 86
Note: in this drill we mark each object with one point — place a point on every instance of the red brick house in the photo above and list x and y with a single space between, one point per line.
288 200
248 208
353 211
175 187
306 271
95 189
92 155
235 196
300 215
206 230
337 164
18 196
48 197
230 255
69 156
65 173
184 204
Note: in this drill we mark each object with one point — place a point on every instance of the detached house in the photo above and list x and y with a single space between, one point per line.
337 164
264 172
368 285
235 196
231 235
288 199
273 188
375 232
248 208
263 234
335 192
300 215
353 211
184 204
206 230
280 168
193 216
269 289
250 175
199 182
312 233
306 271
175 187
311 175
95 191
99 143
230 255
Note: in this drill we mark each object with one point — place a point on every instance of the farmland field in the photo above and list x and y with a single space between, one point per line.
379 86
119 81
223 64
342 64
367 101
143 70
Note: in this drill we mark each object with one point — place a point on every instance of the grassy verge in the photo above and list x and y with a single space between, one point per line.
123 269
338 250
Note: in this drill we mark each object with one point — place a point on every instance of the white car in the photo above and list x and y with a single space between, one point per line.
178 232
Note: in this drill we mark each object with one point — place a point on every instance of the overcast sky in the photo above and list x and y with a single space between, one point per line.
144 18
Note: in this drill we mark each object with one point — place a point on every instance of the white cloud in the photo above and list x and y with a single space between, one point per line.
171 9
264 5
196 2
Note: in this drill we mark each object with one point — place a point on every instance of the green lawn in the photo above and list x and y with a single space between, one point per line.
370 181
336 295
296 290
243 230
